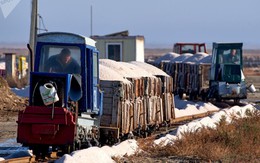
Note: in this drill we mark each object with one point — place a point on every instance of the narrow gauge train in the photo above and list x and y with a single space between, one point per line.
65 109
64 104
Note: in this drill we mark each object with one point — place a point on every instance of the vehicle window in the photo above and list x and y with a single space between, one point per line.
202 49
95 65
114 51
60 59
188 49
232 56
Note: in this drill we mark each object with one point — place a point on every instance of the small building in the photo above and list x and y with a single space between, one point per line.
120 47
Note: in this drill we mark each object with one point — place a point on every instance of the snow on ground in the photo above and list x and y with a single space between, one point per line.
10 143
183 108
100 155
24 92
128 147
13 148
209 121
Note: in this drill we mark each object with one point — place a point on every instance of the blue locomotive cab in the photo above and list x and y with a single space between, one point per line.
65 102
71 62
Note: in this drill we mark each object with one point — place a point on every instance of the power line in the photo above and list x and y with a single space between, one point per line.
41 22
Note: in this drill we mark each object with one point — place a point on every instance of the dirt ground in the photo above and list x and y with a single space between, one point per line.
10 104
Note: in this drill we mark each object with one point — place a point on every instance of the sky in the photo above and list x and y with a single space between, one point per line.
162 23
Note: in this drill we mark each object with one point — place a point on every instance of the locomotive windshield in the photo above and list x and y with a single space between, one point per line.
230 56
60 59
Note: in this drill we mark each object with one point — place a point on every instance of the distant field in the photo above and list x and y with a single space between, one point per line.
149 52
251 56
155 53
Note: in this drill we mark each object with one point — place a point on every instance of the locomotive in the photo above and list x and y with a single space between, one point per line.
64 106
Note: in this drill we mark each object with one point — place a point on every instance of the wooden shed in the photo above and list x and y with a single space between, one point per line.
120 47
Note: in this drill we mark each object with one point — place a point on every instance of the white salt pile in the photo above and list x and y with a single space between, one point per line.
112 70
186 108
106 73
150 68
196 57
206 59
167 57
139 71
119 68
182 57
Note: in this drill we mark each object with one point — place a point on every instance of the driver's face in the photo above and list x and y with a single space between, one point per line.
233 52
66 59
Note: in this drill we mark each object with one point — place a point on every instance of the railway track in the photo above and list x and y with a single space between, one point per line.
28 159
161 131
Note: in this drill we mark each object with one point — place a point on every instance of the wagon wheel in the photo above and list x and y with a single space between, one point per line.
181 94
204 95
236 101
67 149
191 96
40 151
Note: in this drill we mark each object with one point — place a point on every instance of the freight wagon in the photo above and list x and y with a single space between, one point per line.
209 76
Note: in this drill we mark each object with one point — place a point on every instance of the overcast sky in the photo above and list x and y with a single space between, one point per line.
161 22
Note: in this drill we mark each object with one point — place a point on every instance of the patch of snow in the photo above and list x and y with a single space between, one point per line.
19 154
167 139
129 147
23 92
93 154
65 158
12 147
10 143
100 155
211 121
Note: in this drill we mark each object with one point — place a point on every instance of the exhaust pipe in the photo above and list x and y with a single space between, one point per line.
31 57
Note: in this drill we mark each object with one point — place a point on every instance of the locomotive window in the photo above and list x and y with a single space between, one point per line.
232 56
60 59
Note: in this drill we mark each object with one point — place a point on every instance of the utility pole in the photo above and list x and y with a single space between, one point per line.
33 33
